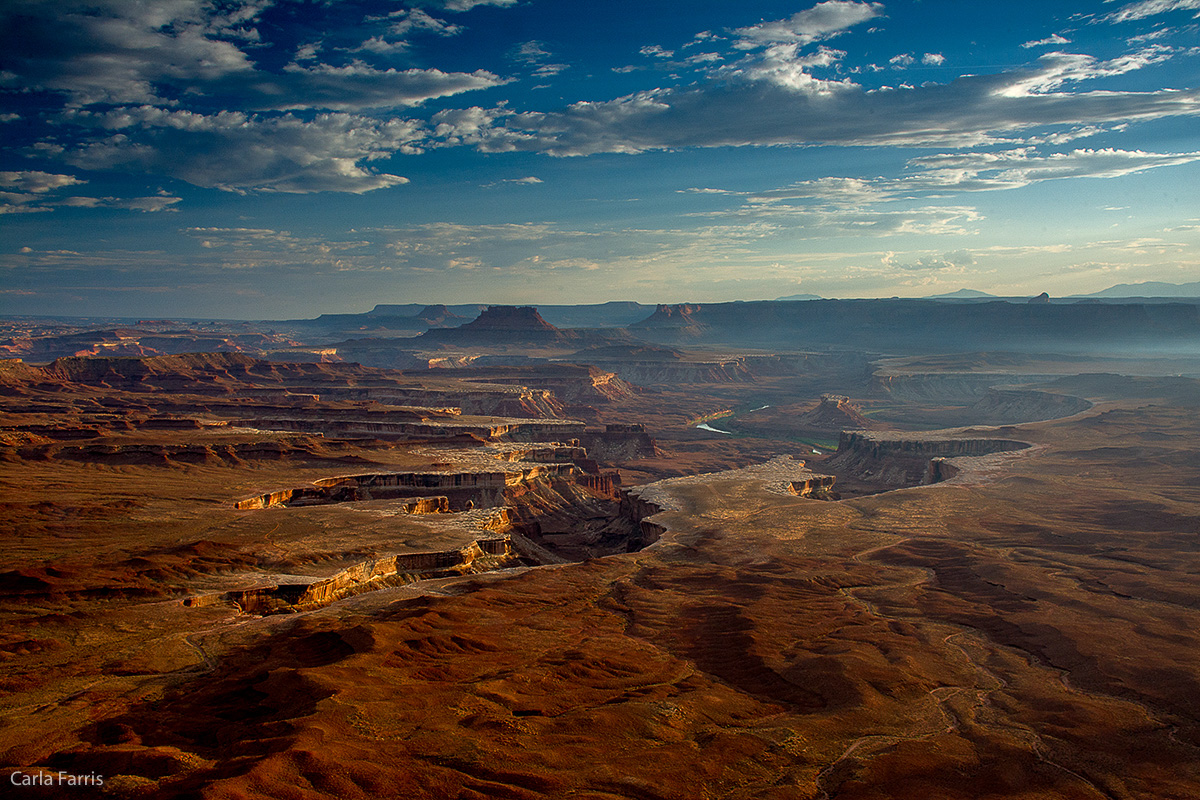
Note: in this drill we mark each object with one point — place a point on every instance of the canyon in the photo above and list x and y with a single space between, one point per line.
516 567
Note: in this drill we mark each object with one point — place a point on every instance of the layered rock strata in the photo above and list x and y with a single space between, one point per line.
892 461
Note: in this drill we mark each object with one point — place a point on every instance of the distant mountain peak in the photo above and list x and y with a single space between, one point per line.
1149 289
960 294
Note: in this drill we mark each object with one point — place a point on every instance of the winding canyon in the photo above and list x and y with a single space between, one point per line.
227 576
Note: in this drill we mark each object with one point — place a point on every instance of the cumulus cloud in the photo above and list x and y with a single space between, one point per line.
404 23
804 27
37 182
32 191
239 152
656 51
118 52
114 51
782 66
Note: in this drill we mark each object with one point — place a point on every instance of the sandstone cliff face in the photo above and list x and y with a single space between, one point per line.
892 461
510 318
833 413
618 443
394 570
478 488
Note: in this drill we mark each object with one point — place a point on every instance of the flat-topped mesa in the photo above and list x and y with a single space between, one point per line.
475 489
439 316
834 412
893 461
510 318
669 316
482 555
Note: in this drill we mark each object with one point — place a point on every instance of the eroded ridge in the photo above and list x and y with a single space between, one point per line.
481 555
892 461
474 488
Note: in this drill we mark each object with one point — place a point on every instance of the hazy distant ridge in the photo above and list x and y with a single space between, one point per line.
1148 289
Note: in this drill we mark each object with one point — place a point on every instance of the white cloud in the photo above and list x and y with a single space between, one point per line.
528 180
933 59
37 182
780 65
655 51
165 53
234 151
1049 40
1016 168
969 111
120 52
772 98
466 5
403 23
950 263
35 192
1056 69
533 54
353 87
946 175
804 27
1150 8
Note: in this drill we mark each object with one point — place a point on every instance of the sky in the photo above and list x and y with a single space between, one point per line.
274 159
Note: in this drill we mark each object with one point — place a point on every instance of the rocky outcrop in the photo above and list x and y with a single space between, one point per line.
500 430
893 461
483 399
833 413
640 510
569 383
817 487
510 318
672 372
393 570
479 489
618 443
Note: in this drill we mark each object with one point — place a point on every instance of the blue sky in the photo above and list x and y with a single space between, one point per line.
274 158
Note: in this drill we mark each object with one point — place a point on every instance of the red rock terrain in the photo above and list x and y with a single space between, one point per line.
1022 627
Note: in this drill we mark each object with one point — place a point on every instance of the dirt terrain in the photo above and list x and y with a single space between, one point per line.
226 577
